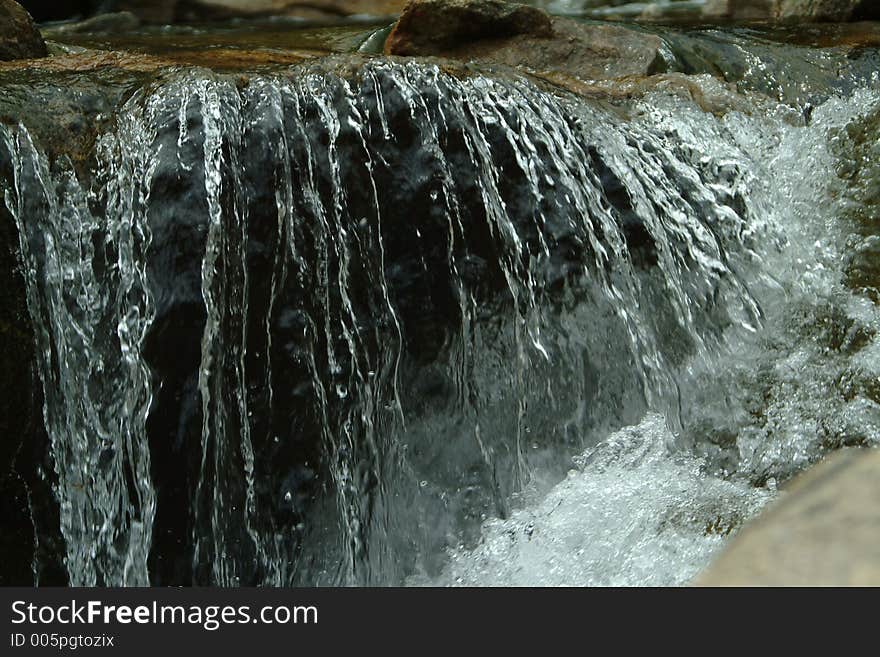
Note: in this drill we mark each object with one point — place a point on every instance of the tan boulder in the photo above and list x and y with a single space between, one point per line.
824 531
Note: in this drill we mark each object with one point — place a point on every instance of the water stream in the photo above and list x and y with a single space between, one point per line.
389 324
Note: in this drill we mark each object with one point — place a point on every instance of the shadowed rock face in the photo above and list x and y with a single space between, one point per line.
27 506
828 10
19 37
171 11
810 10
167 11
53 10
823 532
868 10
517 35
24 444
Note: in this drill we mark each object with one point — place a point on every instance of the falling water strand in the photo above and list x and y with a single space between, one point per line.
88 296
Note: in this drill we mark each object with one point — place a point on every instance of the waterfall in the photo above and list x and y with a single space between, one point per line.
315 327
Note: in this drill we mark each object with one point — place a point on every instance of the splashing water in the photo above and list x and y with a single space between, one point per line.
652 506
630 515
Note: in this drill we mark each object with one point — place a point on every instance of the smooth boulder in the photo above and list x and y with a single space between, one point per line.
428 27
523 36
19 37
825 531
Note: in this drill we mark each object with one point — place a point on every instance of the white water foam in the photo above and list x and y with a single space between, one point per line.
632 513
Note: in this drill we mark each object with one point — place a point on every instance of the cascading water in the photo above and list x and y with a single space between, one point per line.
315 328
651 506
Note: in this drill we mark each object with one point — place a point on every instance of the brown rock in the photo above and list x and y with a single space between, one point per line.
428 27
825 531
518 35
19 37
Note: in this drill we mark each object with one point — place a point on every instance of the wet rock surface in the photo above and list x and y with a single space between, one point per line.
799 68
19 37
822 532
66 106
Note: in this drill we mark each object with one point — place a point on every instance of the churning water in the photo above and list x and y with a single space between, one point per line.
355 327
